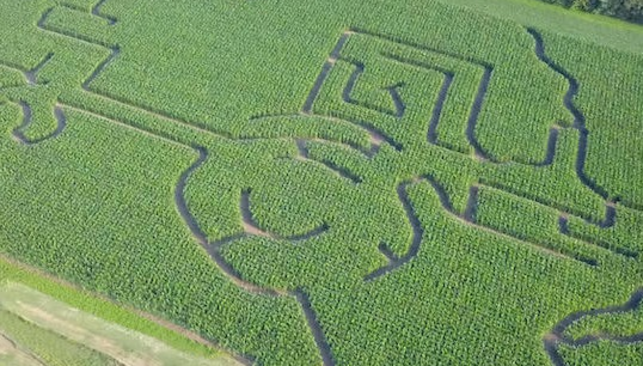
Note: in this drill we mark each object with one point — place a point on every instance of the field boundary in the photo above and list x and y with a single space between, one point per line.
36 275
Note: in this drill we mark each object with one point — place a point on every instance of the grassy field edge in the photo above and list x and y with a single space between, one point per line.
11 270
594 28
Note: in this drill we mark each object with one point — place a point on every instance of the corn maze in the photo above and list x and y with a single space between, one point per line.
442 188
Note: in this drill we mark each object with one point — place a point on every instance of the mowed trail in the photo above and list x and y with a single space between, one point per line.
12 354
123 345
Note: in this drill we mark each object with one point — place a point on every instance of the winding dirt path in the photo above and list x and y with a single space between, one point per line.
557 336
432 133
251 227
302 150
400 107
18 132
418 232
488 69
472 121
579 118
335 55
347 93
323 75
32 75
115 52
96 10
213 249
31 78
467 217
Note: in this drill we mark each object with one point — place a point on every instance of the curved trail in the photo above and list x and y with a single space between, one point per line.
213 249
432 133
400 107
418 232
115 51
563 226
392 90
32 75
479 99
250 228
18 132
96 10
31 78
579 118
470 131
468 218
179 196
581 158
608 222
556 336
376 137
436 114
302 150
328 65
307 109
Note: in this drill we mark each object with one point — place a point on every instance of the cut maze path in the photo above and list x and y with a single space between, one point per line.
31 79
556 220
343 172
32 75
321 78
579 118
557 336
313 324
96 10
467 217
213 249
19 132
478 102
376 137
418 231
432 133
250 227
568 101
400 107
347 93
